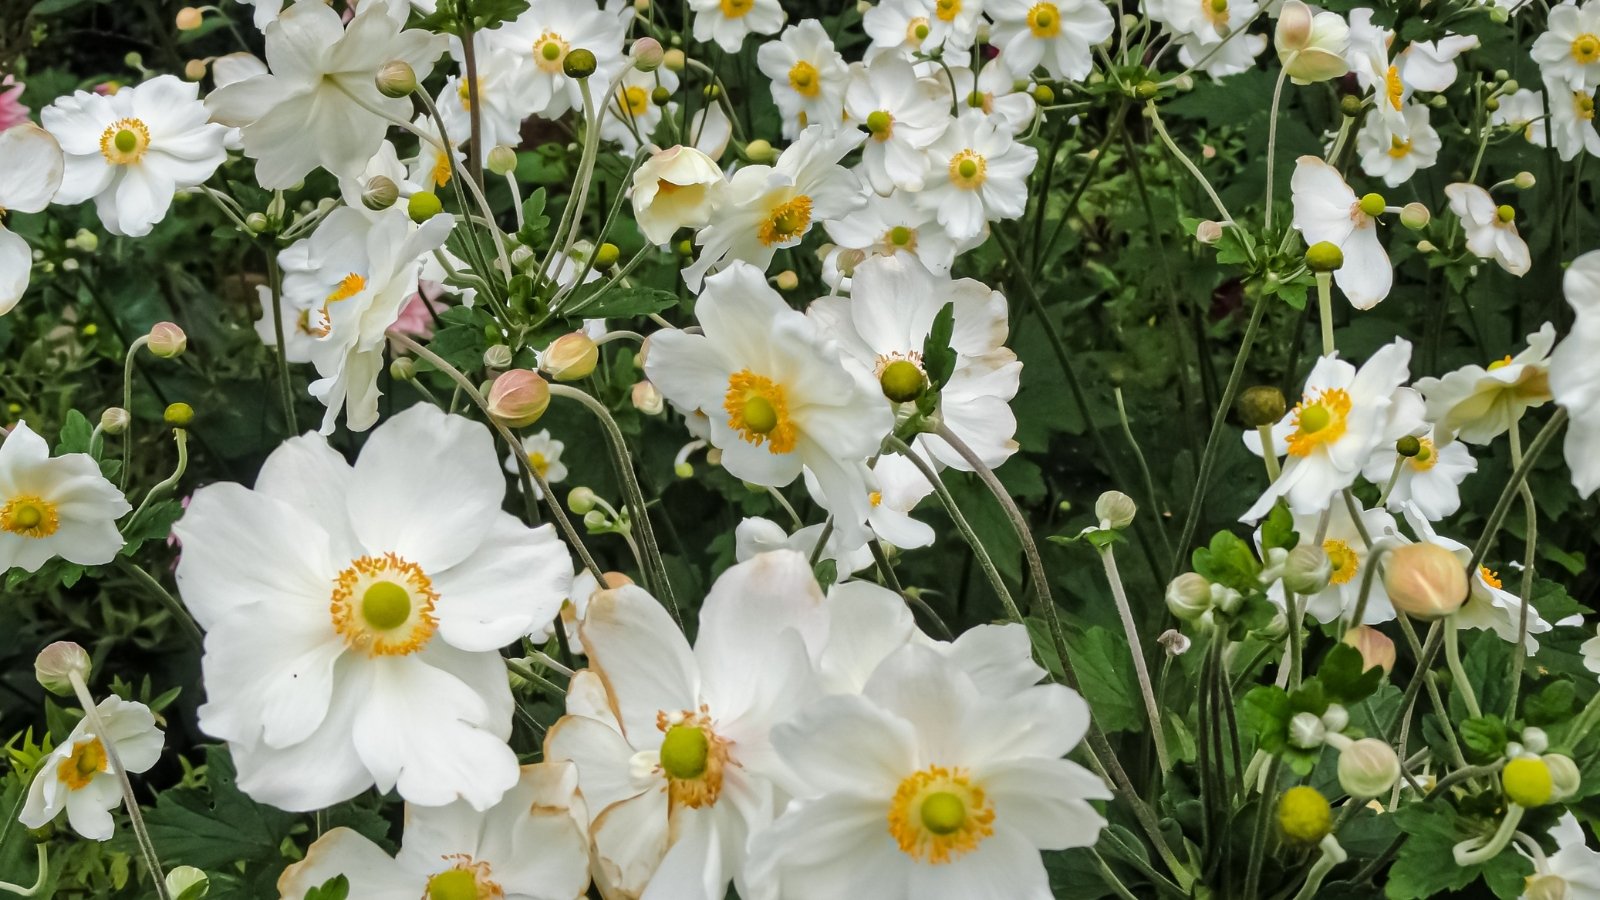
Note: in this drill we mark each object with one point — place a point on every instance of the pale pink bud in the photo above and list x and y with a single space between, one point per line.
167 340
519 397
647 398
570 357
1374 646
57 663
1424 580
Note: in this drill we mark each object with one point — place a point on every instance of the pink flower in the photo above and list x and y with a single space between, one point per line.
415 319
12 112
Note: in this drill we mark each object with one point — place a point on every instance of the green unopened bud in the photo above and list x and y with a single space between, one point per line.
1044 95
1511 86
423 206
1145 90
1565 779
711 92
1415 216
660 96
1189 596
166 340
570 357
1262 405
1324 256
647 54
396 79
114 421
502 160
1306 731
596 521
1368 768
178 415
786 280
88 241
683 470
56 664
1115 509
685 248
1373 205
976 99
581 500
1350 106
903 381
674 60
1307 570
1425 247
380 193
580 63
403 369
1304 815
606 255
256 222
1408 446
758 151
1501 75
497 356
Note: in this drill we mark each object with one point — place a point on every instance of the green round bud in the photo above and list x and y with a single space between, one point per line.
380 193
1145 90
423 206
1351 106
1526 781
1511 86
1189 596
660 95
685 752
1408 446
606 255
1044 95
502 160
1501 75
976 99
178 415
1324 256
1373 205
1307 570
903 381
1492 104
683 470
1368 768
256 222
580 500
1262 405
396 79
580 63
1565 779
711 92
403 369
685 248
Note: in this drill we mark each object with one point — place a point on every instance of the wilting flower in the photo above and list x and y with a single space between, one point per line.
54 506
132 151
1575 372
353 615
1060 36
529 846
1325 209
320 105
1479 403
901 119
1569 49
30 172
679 187
728 21
972 787
977 173
1491 230
808 77
544 35
78 775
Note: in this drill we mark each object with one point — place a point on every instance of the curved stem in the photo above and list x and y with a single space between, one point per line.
38 881
1518 477
1152 708
179 613
1332 855
147 849
1272 140
1468 855
127 404
1452 658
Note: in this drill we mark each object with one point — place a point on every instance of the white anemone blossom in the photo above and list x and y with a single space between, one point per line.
1060 36
1491 229
54 505
808 77
1326 209
79 777
544 34
1575 372
728 22
30 172
902 119
977 174
353 615
1479 403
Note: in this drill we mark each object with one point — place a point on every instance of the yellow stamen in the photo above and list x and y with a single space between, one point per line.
968 169
786 222
938 815
1395 86
1343 559
1399 148
758 409
1583 104
1427 457
735 9
1490 577
539 463
30 516
634 100
692 758
383 606
441 168
947 10
805 80
1585 49
1044 20
88 759
124 141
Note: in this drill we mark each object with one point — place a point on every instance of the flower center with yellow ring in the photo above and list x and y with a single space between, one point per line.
1319 420
1341 559
124 141
968 170
1396 88
464 91
1427 455
1399 148
468 879
692 758
88 759
634 100
1585 49
804 79
30 516
880 123
1216 12
947 10
1044 20
938 815
383 606
758 410
549 51
736 9
1583 105
917 31
786 222
899 238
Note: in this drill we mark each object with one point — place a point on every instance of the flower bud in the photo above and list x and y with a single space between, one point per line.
1208 232
1336 719
1174 642
403 369
423 206
1425 247
1351 105
497 356
1375 647
1324 256
88 241
1115 509
380 193
1414 216
1424 580
194 69
674 60
56 664
647 54
1307 570
1565 779
1526 781
1535 740
1189 596
1524 180
581 500
1261 405
594 520
396 79
1306 731
178 415
1368 768
787 280
570 357
683 470
519 397
166 340
579 63
660 96
647 398
189 19
256 222
759 151
114 420
1304 815
502 159
1293 32
187 883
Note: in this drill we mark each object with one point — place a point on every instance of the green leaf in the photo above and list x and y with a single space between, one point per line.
1426 865
1277 532
1105 674
75 434
1554 703
1266 712
618 302
1484 737
1343 678
827 573
153 523
335 888
938 360
218 828
1229 561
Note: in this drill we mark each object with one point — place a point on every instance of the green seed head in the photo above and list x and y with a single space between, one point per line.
580 63
453 884
759 415
423 205
943 813
878 122
1373 205
1324 256
684 752
385 605
903 381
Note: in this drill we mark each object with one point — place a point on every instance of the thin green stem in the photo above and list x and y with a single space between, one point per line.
1136 649
285 391
179 613
1452 658
127 404
1272 141
147 849
1519 476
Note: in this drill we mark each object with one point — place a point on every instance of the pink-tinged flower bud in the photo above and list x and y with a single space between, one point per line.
519 397
167 340
1374 646
1208 232
1294 26
570 357
56 664
674 60
114 421
647 54
786 280
194 69
647 398
189 18
1424 580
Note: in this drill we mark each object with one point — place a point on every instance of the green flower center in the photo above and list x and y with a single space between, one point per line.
1314 418
684 752
125 141
943 813
385 605
1373 205
454 884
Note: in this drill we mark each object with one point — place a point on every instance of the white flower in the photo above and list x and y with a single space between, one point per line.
977 174
1394 148
952 25
1427 481
808 77
437 160
1059 36
1480 403
544 455
892 492
1572 872
353 276
633 115
502 100
899 28
993 92
671 743
1367 52
1431 65
1571 121
728 21
679 187
771 207
132 151
1569 49
1310 46
754 536
1325 209
78 775
1575 372
1489 606
902 119
891 310
1332 431
897 225
775 390
1491 230
971 786
299 341
1347 555
1205 31
320 104
353 615
54 506
30 172
529 846
544 35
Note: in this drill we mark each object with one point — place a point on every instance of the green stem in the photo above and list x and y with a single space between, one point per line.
1452 658
179 613
1136 649
1519 654
127 404
1519 476
147 849
285 391
1272 141
38 881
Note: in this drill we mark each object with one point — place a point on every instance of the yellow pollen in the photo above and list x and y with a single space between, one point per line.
1585 49
383 606
465 93
539 463
29 516
549 51
1215 11
967 170
1584 105
634 100
938 815
349 286
947 10
758 409
1044 20
1395 87
692 759
875 499
1490 577
1500 363
1426 457
786 222
1399 148
1319 420
88 759
917 31
441 169
1343 560
124 141
736 9
804 79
